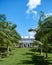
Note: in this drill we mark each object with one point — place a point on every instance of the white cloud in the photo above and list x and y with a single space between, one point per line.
32 34
32 4
48 14
35 12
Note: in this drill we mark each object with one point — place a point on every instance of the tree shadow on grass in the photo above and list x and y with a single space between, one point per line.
34 59
1 60
33 49
37 60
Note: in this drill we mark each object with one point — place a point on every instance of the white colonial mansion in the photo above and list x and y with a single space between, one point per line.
26 41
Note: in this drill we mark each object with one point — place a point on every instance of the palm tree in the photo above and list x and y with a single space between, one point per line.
12 36
47 31
8 34
43 31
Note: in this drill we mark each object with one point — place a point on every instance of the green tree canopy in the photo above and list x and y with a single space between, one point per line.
8 33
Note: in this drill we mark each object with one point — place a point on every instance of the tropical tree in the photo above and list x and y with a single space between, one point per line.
47 32
8 34
44 31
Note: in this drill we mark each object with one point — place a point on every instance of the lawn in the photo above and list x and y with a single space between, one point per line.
25 56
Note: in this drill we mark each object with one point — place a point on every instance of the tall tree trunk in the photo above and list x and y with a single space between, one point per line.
46 52
7 50
41 51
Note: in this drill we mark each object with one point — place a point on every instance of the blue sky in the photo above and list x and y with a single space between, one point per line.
25 13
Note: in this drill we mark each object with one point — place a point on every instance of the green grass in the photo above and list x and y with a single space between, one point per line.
25 56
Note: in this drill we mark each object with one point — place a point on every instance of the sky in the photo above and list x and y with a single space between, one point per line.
25 13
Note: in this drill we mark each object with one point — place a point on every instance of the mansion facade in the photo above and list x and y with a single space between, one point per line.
26 41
